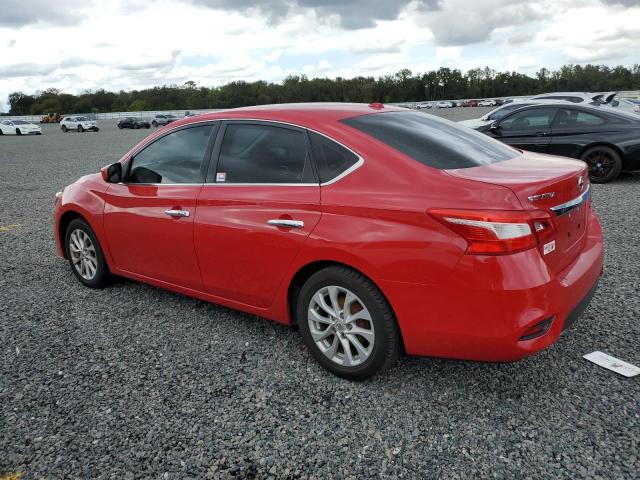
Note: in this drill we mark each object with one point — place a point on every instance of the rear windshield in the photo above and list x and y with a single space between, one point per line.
432 141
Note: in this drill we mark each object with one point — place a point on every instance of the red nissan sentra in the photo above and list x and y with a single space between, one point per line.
376 230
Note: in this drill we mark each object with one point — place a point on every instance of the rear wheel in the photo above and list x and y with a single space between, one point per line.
136 126
347 324
154 123
85 255
604 163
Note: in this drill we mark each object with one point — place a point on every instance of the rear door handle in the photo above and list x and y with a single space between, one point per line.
542 134
177 213
286 223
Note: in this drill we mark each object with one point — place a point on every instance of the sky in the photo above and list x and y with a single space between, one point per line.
119 44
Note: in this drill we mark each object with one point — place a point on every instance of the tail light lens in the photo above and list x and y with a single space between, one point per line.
496 232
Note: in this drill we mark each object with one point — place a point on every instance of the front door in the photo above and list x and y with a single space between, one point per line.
255 214
528 129
149 217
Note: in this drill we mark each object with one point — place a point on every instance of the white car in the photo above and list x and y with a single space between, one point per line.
423 105
444 105
577 97
19 127
78 123
487 103
624 104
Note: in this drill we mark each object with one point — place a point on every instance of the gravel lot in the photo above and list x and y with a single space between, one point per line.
135 382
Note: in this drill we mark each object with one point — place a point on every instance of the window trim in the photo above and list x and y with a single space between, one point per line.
210 180
205 158
216 135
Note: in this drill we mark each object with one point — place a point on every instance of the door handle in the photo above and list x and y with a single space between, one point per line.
177 213
542 134
286 223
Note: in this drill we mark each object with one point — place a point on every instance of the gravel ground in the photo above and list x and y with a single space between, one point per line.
136 382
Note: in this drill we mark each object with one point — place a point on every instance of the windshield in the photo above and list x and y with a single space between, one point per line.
432 141
82 119
501 112
20 122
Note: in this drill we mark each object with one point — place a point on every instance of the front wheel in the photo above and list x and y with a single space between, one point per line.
136 126
64 128
80 129
18 132
85 255
347 324
604 163
154 123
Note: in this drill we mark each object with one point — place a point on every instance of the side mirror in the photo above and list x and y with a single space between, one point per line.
112 173
495 128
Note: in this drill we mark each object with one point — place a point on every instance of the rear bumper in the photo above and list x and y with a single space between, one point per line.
485 310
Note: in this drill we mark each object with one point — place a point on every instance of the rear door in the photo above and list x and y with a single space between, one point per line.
149 217
259 205
528 129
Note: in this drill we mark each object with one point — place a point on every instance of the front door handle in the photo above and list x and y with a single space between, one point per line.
286 223
542 134
177 213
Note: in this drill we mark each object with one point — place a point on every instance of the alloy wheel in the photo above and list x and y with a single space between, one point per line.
341 326
83 254
600 163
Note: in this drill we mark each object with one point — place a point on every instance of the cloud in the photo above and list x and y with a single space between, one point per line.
20 13
465 22
350 14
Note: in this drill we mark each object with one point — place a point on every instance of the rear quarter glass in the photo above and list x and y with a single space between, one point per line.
432 141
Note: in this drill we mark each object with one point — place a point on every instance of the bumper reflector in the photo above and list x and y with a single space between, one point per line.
538 329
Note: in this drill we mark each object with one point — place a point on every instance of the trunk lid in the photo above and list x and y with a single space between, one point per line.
556 185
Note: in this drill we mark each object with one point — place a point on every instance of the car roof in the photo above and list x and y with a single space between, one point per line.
307 114
596 109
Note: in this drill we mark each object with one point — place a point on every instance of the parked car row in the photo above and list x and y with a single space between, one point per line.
364 275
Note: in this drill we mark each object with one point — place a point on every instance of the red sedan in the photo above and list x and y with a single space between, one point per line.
376 230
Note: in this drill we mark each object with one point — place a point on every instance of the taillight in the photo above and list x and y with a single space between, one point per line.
496 232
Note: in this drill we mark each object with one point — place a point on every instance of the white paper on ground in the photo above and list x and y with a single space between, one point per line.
612 363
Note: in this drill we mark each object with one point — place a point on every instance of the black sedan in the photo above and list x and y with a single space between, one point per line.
132 122
607 140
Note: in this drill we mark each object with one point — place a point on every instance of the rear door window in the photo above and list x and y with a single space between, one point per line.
432 141
256 153
576 118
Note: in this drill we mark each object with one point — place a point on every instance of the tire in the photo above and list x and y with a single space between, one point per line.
120 127
64 128
96 129
81 231
604 163
80 129
381 343
18 132
154 123
136 126
147 126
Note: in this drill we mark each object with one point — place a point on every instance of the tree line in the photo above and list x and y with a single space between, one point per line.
403 86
